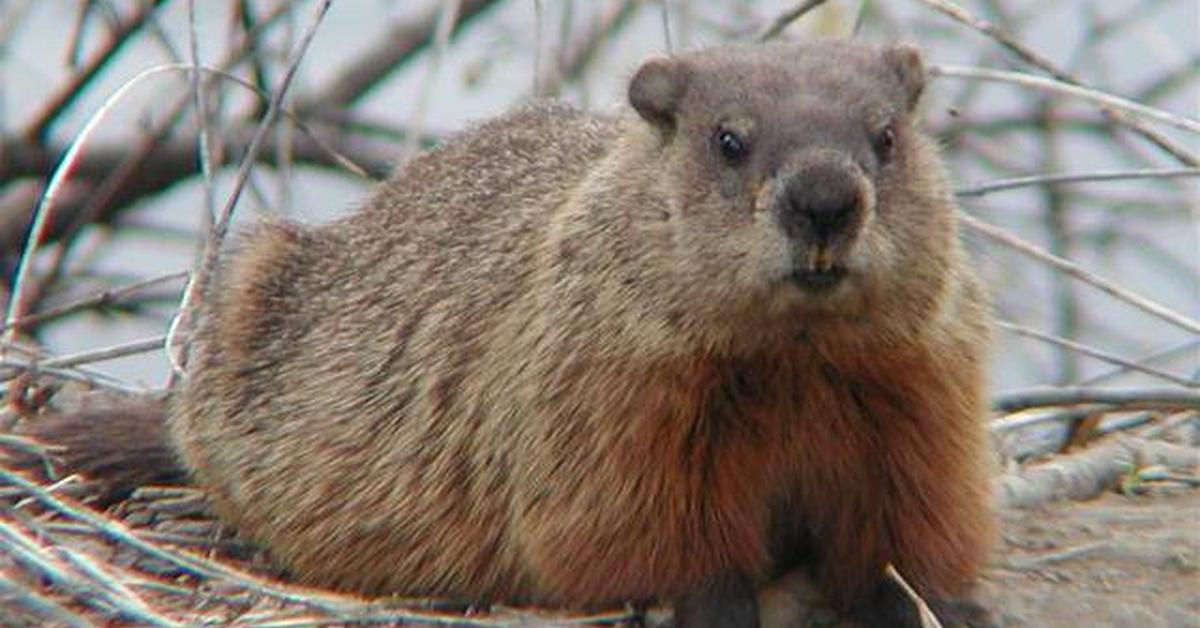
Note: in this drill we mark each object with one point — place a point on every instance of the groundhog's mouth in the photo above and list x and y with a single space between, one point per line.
811 280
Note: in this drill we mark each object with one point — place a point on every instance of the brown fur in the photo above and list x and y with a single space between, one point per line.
559 359
120 442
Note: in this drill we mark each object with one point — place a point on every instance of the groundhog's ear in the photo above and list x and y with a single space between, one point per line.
656 90
906 62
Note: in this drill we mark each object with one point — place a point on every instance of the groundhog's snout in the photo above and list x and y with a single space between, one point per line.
820 203
821 210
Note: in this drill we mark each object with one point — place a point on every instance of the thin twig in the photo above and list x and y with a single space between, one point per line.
1041 561
247 21
340 609
1169 425
116 178
133 347
1043 396
573 62
101 299
76 35
27 551
1165 353
666 26
221 226
447 18
41 214
126 601
1031 57
539 21
1106 175
69 93
1096 353
398 46
46 608
175 351
1070 416
212 244
1022 420
1095 96
783 20
928 619
182 540
191 564
204 138
1072 269
10 368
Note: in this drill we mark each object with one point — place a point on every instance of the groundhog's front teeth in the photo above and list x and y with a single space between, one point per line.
816 269
820 259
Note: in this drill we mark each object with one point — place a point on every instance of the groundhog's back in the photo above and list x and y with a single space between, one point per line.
335 356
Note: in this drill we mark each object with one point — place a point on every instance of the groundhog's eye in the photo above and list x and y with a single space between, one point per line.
732 148
885 143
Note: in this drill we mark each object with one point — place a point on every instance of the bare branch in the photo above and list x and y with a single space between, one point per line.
1105 100
98 300
103 198
783 20
1167 352
27 551
1115 113
575 61
193 565
200 106
167 162
43 607
1105 175
19 301
395 48
1042 396
216 236
124 349
1096 353
1088 473
1072 269
69 93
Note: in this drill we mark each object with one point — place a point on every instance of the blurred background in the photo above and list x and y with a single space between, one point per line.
384 78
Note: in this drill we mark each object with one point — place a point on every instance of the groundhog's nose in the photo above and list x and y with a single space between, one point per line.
821 201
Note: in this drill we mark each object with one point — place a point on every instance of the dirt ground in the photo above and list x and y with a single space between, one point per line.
1115 561
1111 562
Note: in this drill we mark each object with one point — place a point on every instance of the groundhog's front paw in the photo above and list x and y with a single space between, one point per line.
725 602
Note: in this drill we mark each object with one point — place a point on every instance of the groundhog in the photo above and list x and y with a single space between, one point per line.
573 360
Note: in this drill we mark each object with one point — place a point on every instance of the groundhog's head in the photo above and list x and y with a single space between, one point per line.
797 176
